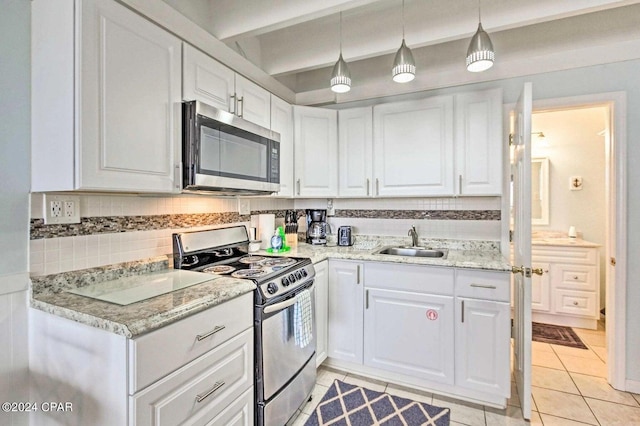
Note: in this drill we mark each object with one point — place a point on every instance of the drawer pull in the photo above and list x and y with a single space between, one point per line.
201 337
575 303
492 287
575 277
218 385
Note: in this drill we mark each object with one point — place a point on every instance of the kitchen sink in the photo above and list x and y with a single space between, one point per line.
413 252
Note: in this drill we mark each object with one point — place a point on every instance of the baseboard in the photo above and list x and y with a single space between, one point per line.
632 386
565 320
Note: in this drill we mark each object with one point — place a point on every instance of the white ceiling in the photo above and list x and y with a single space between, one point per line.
297 41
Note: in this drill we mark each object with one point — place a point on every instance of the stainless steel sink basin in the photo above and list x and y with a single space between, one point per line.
414 252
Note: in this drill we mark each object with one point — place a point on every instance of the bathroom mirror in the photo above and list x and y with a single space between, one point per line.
540 191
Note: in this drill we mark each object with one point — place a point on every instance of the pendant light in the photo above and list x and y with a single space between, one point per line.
404 67
480 55
341 77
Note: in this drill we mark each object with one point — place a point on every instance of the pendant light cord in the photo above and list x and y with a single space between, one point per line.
479 14
403 19
341 32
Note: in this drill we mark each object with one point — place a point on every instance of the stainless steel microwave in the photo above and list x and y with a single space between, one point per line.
226 154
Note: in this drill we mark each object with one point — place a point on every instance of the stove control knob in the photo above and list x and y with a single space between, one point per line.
285 281
304 272
272 288
292 278
298 275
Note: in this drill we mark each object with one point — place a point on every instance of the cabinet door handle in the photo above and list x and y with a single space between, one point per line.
368 184
177 176
241 106
493 287
463 311
201 337
358 274
377 186
298 183
459 184
232 104
366 305
202 397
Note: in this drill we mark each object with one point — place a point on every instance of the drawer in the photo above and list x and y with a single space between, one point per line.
480 284
563 254
201 390
156 354
417 278
575 302
239 413
574 277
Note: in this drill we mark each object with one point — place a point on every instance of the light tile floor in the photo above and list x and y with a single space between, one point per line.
569 389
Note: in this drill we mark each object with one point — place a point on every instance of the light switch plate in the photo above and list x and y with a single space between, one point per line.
244 206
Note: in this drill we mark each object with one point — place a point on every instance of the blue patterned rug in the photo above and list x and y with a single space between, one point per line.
351 405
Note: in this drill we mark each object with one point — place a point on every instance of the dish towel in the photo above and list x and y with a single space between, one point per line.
303 319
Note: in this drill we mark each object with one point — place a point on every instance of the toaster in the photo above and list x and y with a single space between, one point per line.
345 236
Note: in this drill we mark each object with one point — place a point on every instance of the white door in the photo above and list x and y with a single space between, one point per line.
413 148
316 151
521 171
253 102
282 122
355 151
410 333
346 293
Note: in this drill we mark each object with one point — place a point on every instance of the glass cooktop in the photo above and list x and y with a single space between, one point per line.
128 290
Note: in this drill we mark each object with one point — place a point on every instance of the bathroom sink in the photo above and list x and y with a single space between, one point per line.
413 252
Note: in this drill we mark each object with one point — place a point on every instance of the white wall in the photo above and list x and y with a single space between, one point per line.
14 201
574 148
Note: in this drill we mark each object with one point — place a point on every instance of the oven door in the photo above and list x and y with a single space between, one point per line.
282 358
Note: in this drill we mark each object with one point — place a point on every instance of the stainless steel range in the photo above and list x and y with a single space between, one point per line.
284 315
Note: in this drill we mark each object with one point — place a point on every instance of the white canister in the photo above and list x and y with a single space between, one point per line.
572 232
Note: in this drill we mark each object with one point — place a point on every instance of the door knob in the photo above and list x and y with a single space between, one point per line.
517 270
537 271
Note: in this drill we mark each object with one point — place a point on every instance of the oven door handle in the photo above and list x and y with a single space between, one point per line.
280 306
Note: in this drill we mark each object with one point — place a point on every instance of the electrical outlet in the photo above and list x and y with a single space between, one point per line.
61 209
244 206
331 211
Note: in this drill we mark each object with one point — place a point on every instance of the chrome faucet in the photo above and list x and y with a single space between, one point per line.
414 236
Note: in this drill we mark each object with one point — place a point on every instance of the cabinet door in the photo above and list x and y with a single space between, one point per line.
410 333
355 151
253 102
322 309
345 311
316 150
540 288
207 80
483 345
479 143
130 101
413 147
282 122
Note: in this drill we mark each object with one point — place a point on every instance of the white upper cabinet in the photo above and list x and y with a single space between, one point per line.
110 121
478 136
253 102
355 152
413 148
208 81
282 122
316 145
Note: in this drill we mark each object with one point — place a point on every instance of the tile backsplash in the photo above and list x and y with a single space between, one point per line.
120 228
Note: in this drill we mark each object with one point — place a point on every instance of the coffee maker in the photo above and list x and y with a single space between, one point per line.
316 226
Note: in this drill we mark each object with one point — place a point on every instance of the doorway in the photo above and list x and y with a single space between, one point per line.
614 253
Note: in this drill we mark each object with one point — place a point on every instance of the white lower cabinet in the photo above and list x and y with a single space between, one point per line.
195 371
441 329
482 345
322 309
346 295
409 333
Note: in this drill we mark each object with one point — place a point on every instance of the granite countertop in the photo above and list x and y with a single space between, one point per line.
461 254
50 293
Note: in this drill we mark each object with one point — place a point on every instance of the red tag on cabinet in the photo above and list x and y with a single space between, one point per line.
432 314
